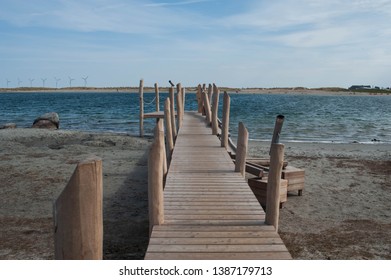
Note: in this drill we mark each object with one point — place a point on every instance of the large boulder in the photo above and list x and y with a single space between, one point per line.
49 121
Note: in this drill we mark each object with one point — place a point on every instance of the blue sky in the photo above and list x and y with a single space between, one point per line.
246 43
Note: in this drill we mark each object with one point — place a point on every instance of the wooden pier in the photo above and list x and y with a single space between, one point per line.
207 210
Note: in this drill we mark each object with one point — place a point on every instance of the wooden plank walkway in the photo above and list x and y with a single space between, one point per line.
210 211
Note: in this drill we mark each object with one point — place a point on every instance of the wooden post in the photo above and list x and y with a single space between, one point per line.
199 98
155 179
277 130
215 109
241 152
160 124
273 185
202 100
183 91
169 136
225 121
179 105
78 215
210 93
157 97
172 109
207 107
141 94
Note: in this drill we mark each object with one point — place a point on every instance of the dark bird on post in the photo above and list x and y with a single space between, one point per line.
171 83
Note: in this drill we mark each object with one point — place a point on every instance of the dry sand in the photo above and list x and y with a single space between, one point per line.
344 213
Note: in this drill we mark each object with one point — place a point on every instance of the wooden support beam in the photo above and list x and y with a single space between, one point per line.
215 109
225 121
155 179
241 153
273 185
141 98
78 215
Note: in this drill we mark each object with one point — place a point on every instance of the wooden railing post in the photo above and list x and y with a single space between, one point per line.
173 121
199 99
207 107
210 93
141 94
78 215
225 120
183 91
169 136
157 97
160 124
273 185
277 130
241 151
215 109
179 105
155 179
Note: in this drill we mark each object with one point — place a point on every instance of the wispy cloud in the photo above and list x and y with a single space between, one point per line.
176 3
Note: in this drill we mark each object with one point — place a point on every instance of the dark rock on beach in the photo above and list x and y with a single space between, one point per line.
48 121
8 126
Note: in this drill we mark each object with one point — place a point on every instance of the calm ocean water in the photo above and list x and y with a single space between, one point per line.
342 119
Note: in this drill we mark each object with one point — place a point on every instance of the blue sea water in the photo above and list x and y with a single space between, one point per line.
308 118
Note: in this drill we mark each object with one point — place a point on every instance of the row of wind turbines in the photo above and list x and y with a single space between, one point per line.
44 81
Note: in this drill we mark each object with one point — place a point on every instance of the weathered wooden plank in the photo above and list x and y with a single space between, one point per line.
217 241
217 248
214 234
219 256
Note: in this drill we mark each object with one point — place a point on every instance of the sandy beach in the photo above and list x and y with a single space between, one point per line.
344 212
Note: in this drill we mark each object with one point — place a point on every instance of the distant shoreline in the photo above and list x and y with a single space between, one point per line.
285 91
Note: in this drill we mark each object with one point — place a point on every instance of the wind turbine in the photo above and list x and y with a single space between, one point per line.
85 80
57 80
43 81
70 81
19 82
8 81
31 82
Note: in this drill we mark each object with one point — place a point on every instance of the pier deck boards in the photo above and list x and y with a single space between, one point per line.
210 211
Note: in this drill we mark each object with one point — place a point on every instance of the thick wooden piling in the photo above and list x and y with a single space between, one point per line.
155 179
241 151
225 120
78 215
141 98
215 108
273 185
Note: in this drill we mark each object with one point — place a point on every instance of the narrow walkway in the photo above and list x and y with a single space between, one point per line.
210 211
